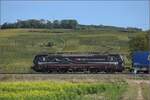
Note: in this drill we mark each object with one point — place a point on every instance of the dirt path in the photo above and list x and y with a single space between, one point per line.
139 96
139 82
134 91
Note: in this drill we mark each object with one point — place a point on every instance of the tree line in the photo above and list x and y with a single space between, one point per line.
34 23
64 24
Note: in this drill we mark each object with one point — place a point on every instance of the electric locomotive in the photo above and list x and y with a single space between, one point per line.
65 62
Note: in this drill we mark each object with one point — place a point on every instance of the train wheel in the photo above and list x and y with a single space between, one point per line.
146 72
93 71
62 71
50 71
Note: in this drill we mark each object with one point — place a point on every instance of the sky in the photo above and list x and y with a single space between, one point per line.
130 13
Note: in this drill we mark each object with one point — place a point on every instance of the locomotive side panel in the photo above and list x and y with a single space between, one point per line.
77 63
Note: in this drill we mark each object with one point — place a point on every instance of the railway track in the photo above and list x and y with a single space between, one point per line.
95 77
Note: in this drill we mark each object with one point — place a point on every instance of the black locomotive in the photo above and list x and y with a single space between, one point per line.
93 63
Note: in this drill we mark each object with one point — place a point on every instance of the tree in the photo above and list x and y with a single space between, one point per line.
69 24
56 24
49 25
4 26
73 24
139 43
8 25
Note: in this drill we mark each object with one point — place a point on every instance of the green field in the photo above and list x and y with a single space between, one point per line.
54 90
19 46
74 87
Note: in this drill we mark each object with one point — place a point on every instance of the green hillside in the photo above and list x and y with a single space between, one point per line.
19 46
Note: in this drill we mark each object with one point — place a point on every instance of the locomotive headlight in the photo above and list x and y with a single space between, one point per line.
39 63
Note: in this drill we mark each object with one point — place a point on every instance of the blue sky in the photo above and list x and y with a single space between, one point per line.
116 13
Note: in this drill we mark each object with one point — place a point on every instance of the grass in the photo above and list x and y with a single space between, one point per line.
131 93
62 90
19 46
145 91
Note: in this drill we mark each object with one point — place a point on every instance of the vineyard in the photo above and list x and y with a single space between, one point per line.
19 46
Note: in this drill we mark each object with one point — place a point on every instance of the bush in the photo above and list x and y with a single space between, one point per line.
50 44
139 43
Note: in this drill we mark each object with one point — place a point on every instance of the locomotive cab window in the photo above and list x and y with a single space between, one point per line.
111 58
42 59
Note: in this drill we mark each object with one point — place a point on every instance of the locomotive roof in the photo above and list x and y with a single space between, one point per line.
75 54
